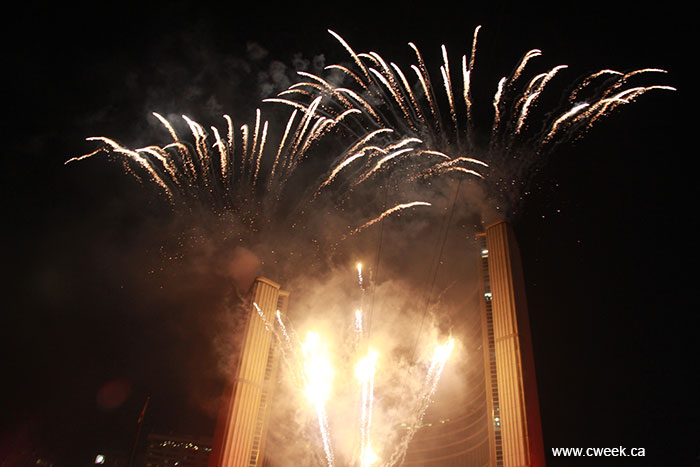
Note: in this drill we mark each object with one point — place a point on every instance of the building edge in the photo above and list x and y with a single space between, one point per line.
501 232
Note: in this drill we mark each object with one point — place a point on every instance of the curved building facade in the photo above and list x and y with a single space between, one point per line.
497 422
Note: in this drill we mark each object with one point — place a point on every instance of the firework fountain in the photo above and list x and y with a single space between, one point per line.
319 373
382 130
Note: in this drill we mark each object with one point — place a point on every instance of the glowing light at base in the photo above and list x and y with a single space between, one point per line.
311 363
318 372
368 457
317 368
364 372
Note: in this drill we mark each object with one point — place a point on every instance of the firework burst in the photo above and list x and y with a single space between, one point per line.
408 115
244 174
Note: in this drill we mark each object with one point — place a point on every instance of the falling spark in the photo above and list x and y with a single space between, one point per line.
381 162
496 105
268 326
359 276
340 167
260 153
358 322
566 116
519 70
84 156
388 212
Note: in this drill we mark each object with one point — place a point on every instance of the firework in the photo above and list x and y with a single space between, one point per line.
393 130
188 171
388 212
248 180
360 280
314 370
396 127
318 372
364 372
386 100
437 365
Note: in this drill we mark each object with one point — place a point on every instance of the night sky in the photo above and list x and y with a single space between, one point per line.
606 235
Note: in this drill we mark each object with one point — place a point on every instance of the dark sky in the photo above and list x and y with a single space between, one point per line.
606 236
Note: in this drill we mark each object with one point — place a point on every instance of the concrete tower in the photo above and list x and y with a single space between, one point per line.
515 430
241 429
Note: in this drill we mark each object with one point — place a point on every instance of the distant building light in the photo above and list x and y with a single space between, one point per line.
99 459
484 253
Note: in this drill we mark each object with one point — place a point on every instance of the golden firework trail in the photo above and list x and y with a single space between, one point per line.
153 171
318 372
189 172
364 372
388 212
338 168
311 369
360 338
385 99
360 280
379 108
249 179
381 162
526 58
359 329
497 103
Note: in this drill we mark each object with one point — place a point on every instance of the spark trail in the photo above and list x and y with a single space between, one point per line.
364 372
388 212
318 373
520 133
437 365
250 179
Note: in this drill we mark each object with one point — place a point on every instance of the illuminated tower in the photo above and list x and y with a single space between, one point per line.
515 431
497 421
239 440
